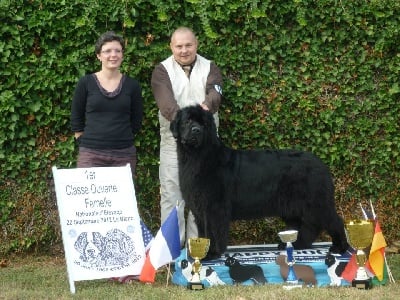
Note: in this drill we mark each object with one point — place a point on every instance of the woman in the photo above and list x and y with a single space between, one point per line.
107 110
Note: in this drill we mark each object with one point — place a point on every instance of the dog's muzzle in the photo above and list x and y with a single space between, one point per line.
192 137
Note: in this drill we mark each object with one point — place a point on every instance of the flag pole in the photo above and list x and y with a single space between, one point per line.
169 273
390 275
372 209
363 211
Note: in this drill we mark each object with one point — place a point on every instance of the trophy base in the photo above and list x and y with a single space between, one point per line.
292 286
289 285
363 284
195 286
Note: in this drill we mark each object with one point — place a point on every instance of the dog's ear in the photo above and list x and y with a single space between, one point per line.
81 242
209 124
174 125
208 118
98 239
228 261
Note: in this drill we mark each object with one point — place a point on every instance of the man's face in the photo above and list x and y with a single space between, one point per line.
184 47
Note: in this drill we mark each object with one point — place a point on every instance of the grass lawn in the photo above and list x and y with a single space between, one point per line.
45 277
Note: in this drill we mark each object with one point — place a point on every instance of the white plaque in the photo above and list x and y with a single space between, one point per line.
100 222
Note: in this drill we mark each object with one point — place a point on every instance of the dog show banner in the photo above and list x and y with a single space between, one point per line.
268 258
100 222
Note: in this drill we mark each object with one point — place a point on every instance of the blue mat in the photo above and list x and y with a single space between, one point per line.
261 255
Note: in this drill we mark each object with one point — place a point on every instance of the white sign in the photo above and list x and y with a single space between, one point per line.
100 222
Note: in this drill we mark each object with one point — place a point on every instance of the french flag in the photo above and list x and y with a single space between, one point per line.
164 248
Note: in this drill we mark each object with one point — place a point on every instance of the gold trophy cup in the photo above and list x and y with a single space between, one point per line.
359 235
198 248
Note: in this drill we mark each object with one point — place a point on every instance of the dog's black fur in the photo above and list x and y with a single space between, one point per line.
220 184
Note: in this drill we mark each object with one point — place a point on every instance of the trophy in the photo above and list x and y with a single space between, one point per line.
198 248
288 237
359 235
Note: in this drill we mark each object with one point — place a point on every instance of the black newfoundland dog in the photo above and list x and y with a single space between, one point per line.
220 184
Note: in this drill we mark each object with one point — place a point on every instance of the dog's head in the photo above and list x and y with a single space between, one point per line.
184 264
281 260
89 245
192 126
231 261
330 260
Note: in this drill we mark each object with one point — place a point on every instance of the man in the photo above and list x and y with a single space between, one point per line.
183 79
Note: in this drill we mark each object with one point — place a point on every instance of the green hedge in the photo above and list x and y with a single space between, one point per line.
317 75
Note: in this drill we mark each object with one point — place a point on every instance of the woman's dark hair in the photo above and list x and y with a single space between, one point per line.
106 37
